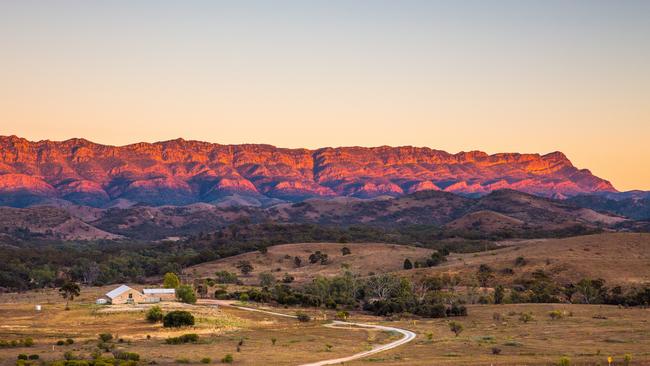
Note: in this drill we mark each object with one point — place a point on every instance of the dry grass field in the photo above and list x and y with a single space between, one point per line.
618 258
586 334
365 259
220 331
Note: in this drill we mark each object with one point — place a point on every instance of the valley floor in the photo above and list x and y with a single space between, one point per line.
586 334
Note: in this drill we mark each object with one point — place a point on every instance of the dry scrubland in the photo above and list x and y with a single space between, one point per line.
220 332
365 259
586 334
618 258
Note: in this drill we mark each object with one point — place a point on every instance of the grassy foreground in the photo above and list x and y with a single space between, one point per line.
586 334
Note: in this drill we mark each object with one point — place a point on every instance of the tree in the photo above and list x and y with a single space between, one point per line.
383 286
154 314
266 279
408 264
345 251
69 291
499 293
202 290
245 267
297 261
186 294
456 327
287 278
484 275
178 318
170 280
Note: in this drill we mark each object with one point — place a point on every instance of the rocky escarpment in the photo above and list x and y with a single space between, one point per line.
180 172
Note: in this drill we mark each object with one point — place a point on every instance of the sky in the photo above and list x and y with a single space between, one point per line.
497 76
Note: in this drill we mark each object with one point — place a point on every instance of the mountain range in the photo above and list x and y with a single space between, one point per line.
180 172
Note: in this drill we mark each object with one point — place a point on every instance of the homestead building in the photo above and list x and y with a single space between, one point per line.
124 294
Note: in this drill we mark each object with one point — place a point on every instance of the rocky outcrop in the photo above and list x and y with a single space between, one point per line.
180 172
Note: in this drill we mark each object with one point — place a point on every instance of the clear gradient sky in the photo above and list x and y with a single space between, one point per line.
524 76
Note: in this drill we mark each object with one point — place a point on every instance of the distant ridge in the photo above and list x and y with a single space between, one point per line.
180 172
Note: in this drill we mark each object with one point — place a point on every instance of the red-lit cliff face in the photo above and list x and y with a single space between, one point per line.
182 172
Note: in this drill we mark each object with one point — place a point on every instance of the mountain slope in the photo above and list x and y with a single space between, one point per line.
180 172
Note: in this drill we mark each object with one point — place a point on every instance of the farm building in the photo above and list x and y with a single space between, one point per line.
159 294
127 295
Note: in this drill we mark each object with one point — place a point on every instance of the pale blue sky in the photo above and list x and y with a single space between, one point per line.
526 76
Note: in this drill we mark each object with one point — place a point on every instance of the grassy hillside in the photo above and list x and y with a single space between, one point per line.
618 258
364 259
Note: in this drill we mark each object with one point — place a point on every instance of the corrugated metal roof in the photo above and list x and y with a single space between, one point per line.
150 291
118 291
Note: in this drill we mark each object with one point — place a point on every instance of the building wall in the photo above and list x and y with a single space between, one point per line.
123 298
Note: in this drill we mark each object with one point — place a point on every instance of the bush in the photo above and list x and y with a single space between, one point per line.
456 327
154 314
105 337
525 317
342 315
227 359
206 360
302 317
69 341
496 350
564 361
244 297
28 342
178 318
127 356
185 293
226 277
22 356
627 359
185 338
556 314
60 342
34 357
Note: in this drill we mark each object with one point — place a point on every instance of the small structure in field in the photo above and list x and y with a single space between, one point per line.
127 295
159 294
123 295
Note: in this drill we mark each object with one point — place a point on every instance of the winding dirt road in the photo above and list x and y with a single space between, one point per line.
407 335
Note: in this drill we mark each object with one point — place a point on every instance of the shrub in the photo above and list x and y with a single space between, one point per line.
127 356
556 314
520 261
206 360
496 350
28 342
302 317
183 360
185 293
227 359
68 355
456 327
525 317
22 356
154 314
185 338
34 357
408 264
564 361
178 318
69 341
60 342
345 251
342 315
105 337
273 340
627 359
244 297
226 277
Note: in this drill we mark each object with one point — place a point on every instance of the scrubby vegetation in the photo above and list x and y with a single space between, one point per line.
178 318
